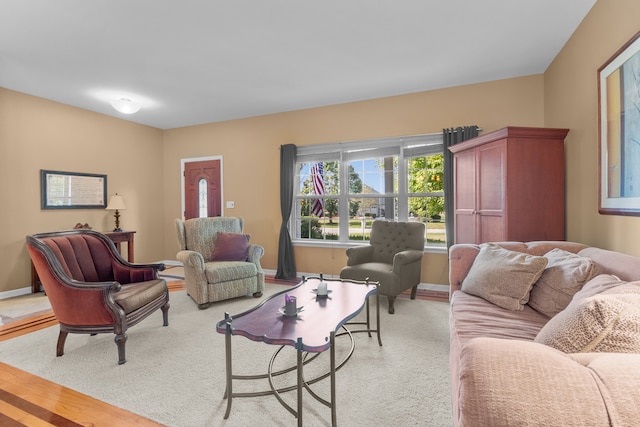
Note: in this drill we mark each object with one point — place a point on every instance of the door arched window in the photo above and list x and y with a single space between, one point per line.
202 198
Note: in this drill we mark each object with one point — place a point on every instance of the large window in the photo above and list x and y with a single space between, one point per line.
342 187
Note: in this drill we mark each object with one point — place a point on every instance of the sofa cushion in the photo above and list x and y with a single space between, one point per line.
231 247
223 271
132 296
565 274
606 322
503 277
519 383
473 317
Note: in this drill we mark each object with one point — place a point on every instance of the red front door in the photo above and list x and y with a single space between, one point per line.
202 186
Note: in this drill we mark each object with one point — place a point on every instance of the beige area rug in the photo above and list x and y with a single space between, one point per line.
176 375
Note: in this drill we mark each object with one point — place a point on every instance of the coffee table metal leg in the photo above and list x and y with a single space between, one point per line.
300 376
332 352
368 319
378 316
229 391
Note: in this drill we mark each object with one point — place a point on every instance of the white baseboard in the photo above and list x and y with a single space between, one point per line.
171 262
300 274
15 292
27 290
434 287
427 286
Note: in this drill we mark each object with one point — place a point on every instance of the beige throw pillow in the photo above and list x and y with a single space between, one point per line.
503 277
607 322
565 274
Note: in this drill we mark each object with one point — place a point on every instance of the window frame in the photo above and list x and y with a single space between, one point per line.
404 148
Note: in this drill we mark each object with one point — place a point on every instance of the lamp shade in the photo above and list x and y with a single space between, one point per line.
116 202
125 106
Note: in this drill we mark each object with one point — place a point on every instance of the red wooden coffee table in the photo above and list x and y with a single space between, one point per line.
313 330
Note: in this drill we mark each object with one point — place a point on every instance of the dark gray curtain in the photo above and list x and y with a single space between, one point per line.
451 137
286 261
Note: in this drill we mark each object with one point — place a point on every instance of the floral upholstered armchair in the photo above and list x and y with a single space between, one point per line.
219 263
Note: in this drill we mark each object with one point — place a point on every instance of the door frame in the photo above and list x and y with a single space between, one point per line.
201 159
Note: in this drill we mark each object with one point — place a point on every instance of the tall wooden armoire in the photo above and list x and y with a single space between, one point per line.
509 185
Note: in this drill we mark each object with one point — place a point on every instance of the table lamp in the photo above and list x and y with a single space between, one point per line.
116 202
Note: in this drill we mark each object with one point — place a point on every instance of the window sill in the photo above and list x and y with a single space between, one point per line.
336 244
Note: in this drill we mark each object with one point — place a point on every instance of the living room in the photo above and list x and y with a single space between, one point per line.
143 162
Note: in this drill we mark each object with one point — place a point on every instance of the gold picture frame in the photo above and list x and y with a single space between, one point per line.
619 131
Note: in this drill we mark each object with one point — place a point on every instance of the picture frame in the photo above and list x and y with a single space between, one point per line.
619 131
72 190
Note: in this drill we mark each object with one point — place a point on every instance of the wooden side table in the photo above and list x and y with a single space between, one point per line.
117 237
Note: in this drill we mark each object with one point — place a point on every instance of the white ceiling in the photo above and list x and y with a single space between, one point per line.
199 61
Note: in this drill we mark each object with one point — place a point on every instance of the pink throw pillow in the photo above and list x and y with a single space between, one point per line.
231 247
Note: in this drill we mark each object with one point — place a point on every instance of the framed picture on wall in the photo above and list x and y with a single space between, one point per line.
619 131
72 190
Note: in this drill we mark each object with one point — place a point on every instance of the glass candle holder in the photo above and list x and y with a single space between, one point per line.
290 308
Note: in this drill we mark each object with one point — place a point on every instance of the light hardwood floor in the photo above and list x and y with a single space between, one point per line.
28 400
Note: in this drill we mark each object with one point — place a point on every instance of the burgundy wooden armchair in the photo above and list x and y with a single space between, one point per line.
92 289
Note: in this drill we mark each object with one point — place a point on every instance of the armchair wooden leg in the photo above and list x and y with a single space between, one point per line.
165 314
257 294
392 299
62 337
413 292
120 340
203 306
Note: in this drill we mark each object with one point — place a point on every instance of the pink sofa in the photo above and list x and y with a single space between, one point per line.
501 377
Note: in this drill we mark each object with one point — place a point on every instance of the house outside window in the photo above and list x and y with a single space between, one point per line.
341 188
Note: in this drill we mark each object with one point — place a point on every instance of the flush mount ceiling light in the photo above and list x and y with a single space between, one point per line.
125 106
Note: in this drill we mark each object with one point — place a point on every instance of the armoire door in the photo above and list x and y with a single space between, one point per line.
465 197
490 192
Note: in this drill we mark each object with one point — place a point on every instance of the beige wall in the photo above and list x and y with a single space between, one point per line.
143 163
39 134
571 100
251 153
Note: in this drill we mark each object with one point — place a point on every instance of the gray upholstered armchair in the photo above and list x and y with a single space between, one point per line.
215 268
393 258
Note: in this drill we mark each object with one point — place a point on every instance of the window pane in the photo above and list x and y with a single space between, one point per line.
317 216
317 178
425 174
434 223
375 175
363 210
425 181
436 230
311 226
435 173
330 225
